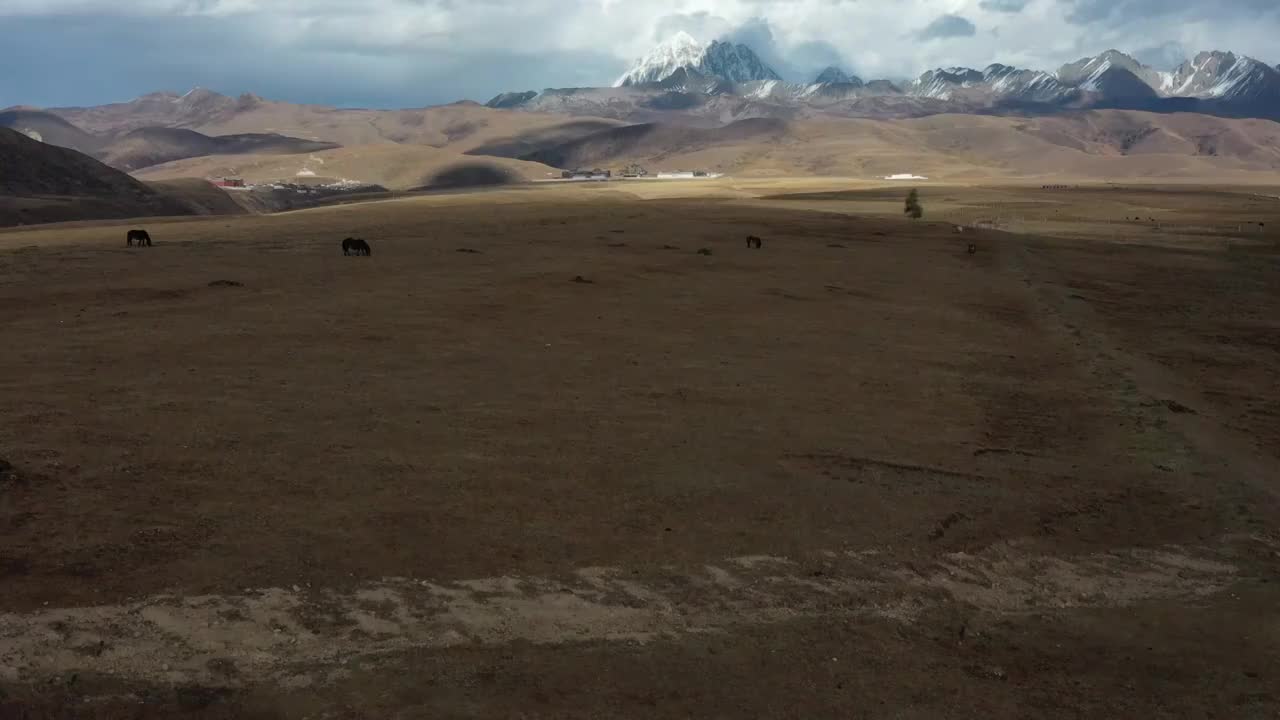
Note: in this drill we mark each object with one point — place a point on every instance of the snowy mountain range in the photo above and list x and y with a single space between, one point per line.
1225 76
730 80
996 81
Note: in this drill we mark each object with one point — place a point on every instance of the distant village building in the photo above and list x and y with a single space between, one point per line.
593 174
227 182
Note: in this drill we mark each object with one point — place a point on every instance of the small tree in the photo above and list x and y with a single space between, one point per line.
913 208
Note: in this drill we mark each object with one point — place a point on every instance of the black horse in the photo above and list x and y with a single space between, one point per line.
754 242
356 246
140 236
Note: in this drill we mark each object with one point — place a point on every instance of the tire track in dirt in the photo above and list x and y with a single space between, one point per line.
300 637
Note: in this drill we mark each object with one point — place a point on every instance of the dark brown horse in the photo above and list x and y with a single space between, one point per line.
356 246
142 237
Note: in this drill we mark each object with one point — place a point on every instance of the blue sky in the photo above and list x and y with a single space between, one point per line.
408 53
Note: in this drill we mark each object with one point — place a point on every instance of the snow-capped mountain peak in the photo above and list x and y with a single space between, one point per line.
718 60
835 76
681 50
1027 85
1092 73
736 63
942 83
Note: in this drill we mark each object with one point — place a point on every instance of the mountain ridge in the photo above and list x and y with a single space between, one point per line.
1213 82
138 145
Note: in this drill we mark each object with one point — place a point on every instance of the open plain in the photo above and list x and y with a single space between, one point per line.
538 457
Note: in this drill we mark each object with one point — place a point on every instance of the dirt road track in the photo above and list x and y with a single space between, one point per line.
278 634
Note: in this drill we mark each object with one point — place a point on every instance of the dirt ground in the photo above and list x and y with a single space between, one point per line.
539 458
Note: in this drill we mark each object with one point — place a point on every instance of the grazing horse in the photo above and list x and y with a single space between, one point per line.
973 248
356 246
141 236
754 242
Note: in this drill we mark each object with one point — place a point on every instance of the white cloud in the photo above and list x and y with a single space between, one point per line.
588 41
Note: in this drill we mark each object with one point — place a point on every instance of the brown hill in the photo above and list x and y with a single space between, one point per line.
154 145
397 167
201 197
163 109
50 128
31 168
541 137
1102 144
131 149
458 127
657 142
1135 133
46 183
1108 144
461 126
1083 145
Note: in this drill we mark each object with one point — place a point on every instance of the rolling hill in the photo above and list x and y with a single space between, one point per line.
657 143
162 128
1088 144
396 167
50 128
843 136
1083 144
141 147
154 145
461 126
45 183
161 109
